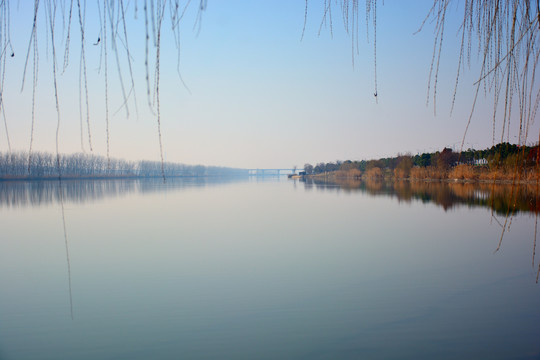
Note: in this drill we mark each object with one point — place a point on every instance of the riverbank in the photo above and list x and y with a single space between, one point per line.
459 173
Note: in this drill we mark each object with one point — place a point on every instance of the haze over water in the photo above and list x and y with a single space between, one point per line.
262 269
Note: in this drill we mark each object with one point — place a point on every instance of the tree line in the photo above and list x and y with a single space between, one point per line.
15 165
504 156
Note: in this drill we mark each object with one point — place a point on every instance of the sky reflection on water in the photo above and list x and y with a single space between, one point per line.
264 270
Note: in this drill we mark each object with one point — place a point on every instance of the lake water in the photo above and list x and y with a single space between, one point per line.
266 269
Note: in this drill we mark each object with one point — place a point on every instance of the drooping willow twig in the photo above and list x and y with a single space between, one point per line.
64 228
6 42
51 11
83 72
159 20
105 67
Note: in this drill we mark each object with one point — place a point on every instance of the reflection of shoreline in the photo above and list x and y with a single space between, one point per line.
499 197
21 193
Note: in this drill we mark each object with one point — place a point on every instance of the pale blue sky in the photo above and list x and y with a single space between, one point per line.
259 97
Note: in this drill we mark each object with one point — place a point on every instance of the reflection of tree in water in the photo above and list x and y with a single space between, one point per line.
504 200
68 263
45 192
499 197
37 193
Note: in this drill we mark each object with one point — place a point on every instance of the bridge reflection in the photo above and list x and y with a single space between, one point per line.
273 172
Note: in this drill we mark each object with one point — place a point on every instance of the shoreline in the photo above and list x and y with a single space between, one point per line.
333 177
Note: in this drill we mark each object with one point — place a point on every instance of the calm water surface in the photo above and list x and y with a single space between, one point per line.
273 269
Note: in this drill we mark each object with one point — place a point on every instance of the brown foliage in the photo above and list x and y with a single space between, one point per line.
428 173
374 173
348 174
463 172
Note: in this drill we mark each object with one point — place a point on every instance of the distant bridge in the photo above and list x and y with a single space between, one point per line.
273 172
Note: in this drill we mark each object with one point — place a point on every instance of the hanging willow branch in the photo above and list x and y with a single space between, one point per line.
507 36
112 40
